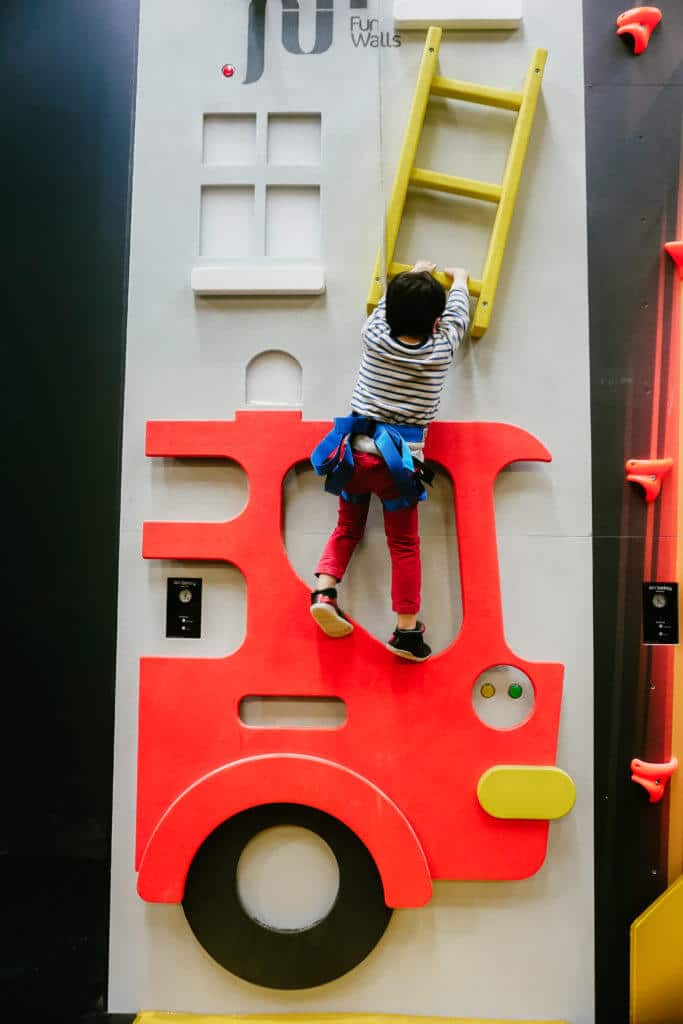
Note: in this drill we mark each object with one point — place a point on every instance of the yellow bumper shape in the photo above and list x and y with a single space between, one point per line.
150 1017
540 792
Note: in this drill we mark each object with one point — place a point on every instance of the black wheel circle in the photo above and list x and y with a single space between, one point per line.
284 959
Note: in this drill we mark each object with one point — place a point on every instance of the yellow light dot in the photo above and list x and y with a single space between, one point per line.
488 690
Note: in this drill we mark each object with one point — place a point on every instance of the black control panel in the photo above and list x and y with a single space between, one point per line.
660 613
184 607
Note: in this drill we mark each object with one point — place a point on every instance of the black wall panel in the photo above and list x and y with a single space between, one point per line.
633 136
67 80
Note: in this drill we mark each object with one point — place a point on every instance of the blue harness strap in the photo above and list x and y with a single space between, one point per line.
333 458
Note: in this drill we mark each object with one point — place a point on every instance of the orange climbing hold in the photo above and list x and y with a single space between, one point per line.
653 777
649 473
675 251
640 22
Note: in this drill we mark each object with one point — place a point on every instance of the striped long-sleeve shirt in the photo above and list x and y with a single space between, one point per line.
402 383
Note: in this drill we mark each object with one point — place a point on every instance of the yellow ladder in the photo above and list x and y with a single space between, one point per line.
504 195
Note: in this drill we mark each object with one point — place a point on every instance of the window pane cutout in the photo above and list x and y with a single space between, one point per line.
227 221
229 140
293 222
294 139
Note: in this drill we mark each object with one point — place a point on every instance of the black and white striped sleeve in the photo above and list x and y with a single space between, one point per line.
377 319
455 318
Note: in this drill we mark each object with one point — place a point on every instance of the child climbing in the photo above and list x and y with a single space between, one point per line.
408 344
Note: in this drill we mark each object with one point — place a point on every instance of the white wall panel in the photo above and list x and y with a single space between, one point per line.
506 949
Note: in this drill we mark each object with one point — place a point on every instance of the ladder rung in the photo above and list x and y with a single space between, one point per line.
483 94
456 186
399 268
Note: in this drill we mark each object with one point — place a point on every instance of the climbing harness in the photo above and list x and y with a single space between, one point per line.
333 459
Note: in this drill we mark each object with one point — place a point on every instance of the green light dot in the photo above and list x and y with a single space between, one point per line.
515 691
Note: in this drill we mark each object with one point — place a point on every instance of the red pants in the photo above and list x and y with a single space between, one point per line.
371 476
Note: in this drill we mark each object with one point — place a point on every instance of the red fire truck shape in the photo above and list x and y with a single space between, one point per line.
403 771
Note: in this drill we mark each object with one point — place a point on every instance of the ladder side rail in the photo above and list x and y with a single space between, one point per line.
510 186
418 110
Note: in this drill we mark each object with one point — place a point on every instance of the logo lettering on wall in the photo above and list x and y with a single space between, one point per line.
364 31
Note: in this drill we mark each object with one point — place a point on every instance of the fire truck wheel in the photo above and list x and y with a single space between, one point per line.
270 957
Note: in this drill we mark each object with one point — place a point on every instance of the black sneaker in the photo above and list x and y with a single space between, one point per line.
409 643
327 614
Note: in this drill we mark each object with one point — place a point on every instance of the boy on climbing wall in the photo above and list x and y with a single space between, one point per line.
408 344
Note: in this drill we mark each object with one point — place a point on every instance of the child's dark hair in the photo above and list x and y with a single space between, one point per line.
414 302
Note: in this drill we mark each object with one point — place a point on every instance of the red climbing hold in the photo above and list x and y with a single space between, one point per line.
649 473
640 22
675 251
653 777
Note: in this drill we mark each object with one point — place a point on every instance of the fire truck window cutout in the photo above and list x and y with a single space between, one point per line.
292 712
367 584
198 490
287 878
273 957
229 140
274 380
503 697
